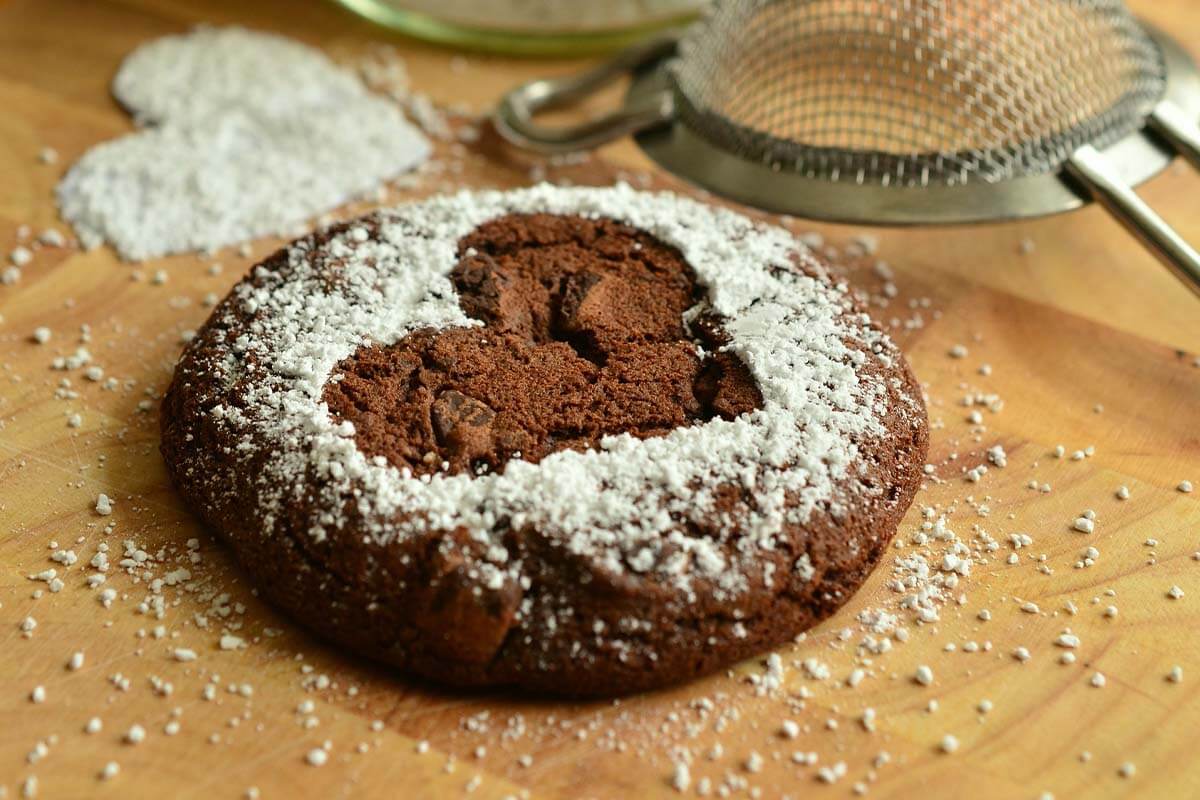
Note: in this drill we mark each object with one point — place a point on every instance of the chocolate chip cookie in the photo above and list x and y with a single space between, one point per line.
580 441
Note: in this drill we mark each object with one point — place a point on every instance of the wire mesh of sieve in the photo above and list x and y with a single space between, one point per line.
916 91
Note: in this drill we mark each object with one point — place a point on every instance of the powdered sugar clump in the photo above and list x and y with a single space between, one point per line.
249 135
624 505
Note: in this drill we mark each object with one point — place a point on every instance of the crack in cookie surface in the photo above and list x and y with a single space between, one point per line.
583 337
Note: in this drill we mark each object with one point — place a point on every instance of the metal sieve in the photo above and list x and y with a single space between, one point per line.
902 111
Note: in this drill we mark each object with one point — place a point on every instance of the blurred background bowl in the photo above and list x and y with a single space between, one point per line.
529 27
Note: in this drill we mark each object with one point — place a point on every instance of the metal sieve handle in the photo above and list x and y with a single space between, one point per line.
1172 123
1089 166
513 118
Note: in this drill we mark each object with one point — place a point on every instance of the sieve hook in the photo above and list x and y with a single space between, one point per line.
514 116
1089 167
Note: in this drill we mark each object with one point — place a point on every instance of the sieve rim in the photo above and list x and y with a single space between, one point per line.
1042 151
828 163
681 150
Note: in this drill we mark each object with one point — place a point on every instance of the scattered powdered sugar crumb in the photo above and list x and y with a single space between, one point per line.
244 134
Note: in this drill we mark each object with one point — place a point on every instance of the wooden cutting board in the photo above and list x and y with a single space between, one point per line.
1090 343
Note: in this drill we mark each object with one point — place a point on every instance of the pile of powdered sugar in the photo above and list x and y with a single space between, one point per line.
620 505
246 134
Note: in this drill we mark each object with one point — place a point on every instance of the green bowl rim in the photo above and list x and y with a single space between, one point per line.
429 29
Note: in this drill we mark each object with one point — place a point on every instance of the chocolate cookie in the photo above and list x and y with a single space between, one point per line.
582 441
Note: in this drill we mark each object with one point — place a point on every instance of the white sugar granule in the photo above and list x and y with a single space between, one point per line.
245 134
52 238
1067 640
20 256
798 452
230 642
681 777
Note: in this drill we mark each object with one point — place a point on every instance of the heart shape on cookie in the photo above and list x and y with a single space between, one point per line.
583 337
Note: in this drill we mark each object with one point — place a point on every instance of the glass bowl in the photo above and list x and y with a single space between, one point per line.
529 27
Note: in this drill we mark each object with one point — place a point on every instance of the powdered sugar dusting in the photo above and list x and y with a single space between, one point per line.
249 135
623 505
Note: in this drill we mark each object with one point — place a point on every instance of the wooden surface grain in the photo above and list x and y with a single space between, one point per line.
1085 320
